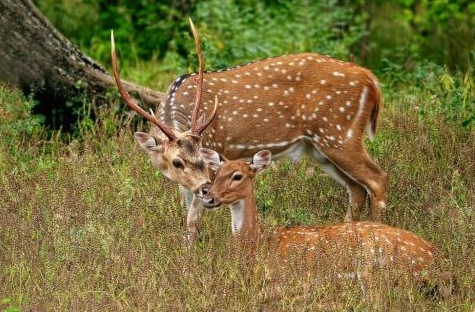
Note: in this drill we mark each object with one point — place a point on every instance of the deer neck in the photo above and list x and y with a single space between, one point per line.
244 221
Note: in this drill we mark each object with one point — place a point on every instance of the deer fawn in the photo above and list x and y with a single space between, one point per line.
293 104
365 243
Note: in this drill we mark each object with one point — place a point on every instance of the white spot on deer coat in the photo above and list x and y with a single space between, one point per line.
362 102
349 134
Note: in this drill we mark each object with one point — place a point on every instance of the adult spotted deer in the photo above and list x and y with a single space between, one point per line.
354 248
293 104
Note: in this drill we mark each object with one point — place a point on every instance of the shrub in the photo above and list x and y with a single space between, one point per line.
16 118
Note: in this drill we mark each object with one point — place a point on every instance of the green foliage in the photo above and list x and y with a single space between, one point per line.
16 118
441 31
10 307
447 94
239 31
233 31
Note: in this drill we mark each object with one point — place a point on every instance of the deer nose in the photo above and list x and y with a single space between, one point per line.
209 202
205 188
207 197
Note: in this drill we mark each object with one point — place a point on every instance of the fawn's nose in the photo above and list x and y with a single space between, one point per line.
209 202
207 197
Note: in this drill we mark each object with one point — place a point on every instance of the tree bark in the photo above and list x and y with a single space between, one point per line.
37 58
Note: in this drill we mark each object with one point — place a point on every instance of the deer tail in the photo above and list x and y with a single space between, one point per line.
374 93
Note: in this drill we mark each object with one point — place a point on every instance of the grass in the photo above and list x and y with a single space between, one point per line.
89 225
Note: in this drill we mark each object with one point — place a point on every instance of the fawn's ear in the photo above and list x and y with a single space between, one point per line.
212 158
261 160
148 142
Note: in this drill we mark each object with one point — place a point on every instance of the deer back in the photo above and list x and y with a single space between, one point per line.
285 99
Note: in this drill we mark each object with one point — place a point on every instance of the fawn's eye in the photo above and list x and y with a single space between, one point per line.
237 177
178 164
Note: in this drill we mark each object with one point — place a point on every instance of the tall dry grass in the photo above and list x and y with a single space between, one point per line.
89 225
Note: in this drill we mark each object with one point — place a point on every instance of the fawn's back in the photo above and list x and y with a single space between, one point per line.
354 248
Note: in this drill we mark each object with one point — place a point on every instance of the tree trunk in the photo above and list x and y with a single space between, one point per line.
37 58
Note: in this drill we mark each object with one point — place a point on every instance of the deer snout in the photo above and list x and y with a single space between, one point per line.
209 200
202 189
205 188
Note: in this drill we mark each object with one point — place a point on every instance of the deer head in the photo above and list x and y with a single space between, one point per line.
233 185
234 178
174 153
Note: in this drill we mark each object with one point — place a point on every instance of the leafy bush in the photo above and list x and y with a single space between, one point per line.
239 31
16 118
441 92
234 31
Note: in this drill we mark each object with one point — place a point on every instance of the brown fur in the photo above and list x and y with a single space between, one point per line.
351 249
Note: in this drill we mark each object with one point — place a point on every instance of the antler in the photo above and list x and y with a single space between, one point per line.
128 100
195 128
206 123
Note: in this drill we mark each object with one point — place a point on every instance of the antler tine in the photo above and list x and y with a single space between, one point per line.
152 113
128 100
213 114
199 81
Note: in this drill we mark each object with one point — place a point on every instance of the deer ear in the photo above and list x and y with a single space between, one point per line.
212 158
148 142
261 160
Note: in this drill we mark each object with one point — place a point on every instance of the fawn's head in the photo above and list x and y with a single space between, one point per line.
176 154
234 178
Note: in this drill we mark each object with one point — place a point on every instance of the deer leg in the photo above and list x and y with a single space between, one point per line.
356 192
186 198
195 212
182 200
357 165
357 195
183 203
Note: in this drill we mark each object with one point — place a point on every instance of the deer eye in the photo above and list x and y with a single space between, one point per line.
178 164
237 177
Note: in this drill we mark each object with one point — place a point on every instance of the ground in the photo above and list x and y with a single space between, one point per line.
87 223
